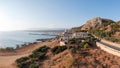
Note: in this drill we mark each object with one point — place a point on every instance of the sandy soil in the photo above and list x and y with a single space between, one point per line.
95 58
8 59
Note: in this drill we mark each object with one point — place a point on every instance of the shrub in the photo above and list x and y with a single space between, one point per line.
58 49
70 47
9 49
82 45
34 65
71 41
36 55
73 50
39 55
34 59
41 49
22 59
23 64
78 41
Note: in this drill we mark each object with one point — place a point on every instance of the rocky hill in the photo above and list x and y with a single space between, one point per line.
102 27
95 22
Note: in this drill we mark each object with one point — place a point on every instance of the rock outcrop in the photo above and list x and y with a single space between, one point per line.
95 22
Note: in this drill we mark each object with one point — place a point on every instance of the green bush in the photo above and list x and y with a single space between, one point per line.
71 41
73 50
70 47
41 49
34 65
22 59
58 49
82 45
78 41
29 62
23 64
34 59
39 55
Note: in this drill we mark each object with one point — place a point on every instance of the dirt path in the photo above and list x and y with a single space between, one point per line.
9 61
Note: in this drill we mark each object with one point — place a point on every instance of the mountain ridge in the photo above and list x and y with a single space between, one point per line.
95 22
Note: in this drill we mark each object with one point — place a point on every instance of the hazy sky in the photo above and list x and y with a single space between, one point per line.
25 14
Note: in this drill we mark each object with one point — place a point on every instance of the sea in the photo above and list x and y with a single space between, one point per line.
13 38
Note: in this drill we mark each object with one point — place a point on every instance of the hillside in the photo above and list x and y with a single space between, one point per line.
103 28
95 22
92 23
49 54
108 31
95 58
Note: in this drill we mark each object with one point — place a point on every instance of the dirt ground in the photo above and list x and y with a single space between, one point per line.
95 58
83 58
8 59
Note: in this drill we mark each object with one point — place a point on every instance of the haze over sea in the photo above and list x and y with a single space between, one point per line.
13 38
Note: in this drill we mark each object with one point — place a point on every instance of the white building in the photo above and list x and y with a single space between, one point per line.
80 35
65 37
68 35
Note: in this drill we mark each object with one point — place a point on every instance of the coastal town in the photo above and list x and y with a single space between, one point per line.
67 34
59 34
71 43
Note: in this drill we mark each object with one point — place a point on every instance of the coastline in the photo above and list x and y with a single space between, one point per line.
11 39
25 51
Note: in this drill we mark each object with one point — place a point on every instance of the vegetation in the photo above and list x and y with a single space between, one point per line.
41 49
34 60
84 42
9 49
108 31
73 50
34 65
30 61
22 59
58 49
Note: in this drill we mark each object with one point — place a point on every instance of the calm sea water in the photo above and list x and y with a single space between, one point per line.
11 39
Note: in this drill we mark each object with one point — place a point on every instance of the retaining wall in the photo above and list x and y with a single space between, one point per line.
108 49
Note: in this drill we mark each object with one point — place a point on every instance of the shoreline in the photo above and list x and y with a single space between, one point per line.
15 40
22 49
27 43
25 51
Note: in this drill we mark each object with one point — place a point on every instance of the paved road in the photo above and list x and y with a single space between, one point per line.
111 46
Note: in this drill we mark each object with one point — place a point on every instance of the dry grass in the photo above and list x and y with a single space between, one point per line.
83 58
95 58
7 59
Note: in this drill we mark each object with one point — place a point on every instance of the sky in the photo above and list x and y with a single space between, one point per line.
32 14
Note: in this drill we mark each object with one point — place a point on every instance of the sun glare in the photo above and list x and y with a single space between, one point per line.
5 24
